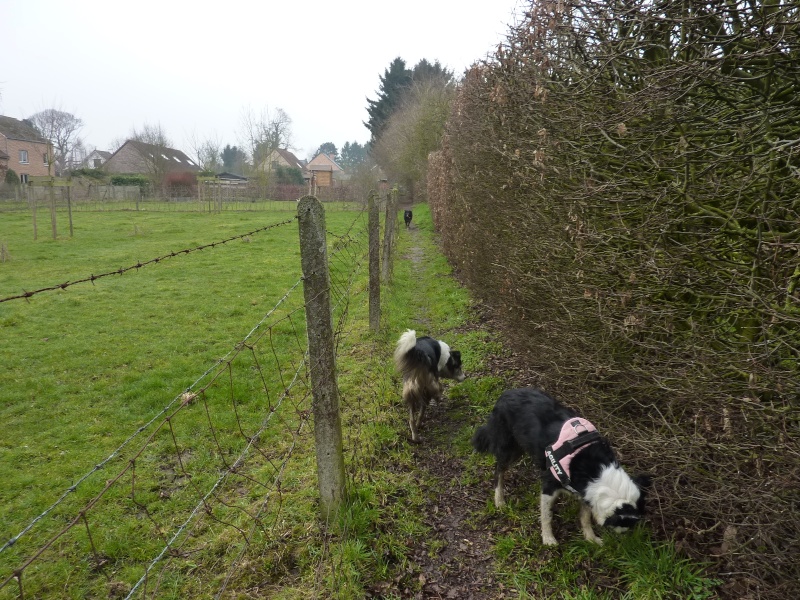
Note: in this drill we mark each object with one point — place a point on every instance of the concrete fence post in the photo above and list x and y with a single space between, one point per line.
374 227
389 231
321 353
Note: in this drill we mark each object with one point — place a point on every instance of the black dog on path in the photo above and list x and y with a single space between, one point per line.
407 218
570 455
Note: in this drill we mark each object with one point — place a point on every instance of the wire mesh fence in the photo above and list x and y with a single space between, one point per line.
212 478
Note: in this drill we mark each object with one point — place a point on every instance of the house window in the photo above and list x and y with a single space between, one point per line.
23 157
23 178
97 163
274 164
44 156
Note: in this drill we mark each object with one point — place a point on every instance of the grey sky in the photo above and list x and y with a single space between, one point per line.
194 67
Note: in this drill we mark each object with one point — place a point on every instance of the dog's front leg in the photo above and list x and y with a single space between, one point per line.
586 524
499 487
546 516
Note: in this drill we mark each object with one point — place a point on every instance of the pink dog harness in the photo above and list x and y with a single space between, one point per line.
575 435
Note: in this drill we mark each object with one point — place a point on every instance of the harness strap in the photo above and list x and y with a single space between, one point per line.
568 447
582 437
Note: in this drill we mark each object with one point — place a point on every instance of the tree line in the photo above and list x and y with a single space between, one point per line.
259 133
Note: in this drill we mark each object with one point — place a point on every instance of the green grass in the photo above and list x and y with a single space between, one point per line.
83 368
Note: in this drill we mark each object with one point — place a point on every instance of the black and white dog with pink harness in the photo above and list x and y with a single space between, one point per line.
570 454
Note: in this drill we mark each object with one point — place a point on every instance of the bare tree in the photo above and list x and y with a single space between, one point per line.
78 154
61 129
413 131
265 132
116 144
207 152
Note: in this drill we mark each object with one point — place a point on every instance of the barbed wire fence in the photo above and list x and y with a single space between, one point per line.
210 473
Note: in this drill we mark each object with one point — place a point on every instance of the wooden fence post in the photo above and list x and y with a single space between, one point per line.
316 290
374 227
30 193
390 228
53 211
69 207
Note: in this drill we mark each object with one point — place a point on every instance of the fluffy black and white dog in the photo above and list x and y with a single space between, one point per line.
407 215
571 456
422 361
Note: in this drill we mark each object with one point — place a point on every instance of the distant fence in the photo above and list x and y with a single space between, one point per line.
83 195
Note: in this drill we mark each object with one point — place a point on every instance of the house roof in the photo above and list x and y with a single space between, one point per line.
323 159
290 158
15 129
102 153
231 176
175 158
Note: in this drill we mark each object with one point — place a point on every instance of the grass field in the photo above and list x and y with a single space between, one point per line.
85 367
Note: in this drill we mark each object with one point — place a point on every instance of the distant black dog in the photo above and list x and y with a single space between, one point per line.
407 218
570 454
422 361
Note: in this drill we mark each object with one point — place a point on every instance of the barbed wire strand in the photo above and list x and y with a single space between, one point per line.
144 427
139 265
219 481
341 290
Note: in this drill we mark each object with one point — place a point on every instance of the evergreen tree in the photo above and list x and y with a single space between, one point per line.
328 148
233 159
352 155
394 81
425 71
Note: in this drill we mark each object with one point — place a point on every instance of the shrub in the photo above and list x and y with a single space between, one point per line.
288 175
132 179
89 173
180 184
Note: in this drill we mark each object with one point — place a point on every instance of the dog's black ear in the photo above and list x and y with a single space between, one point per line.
643 481
456 354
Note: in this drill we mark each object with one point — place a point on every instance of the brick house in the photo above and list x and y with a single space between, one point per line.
324 170
147 159
3 165
27 153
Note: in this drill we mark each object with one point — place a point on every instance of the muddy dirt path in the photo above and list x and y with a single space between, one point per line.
456 561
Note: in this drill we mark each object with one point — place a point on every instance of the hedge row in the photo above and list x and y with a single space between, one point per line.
620 184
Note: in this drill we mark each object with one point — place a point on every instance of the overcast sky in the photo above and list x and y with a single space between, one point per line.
194 67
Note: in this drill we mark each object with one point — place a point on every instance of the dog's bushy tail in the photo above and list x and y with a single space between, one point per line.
482 440
406 342
404 359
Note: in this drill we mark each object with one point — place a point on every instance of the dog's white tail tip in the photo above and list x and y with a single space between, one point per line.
406 342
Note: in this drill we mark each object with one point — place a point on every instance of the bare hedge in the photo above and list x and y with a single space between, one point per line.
621 185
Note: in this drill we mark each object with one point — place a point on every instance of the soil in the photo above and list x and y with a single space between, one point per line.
456 561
